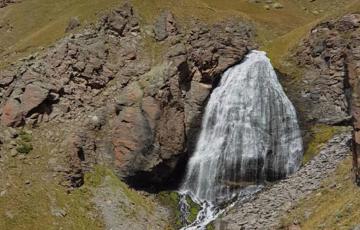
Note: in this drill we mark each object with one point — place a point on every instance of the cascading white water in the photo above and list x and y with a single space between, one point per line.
249 134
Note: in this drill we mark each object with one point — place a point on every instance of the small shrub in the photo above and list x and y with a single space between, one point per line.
24 136
24 145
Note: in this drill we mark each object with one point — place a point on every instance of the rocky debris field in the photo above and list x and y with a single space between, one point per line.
264 210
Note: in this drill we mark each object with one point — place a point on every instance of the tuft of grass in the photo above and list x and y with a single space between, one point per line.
335 206
23 142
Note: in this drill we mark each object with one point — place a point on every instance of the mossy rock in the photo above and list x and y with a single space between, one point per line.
171 200
194 209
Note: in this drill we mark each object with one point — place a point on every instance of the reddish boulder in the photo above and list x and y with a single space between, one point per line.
16 110
33 96
12 113
132 139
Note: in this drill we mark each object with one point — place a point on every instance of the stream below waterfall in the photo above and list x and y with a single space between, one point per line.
249 135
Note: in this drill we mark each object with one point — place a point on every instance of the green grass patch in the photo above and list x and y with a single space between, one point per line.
23 142
35 200
321 134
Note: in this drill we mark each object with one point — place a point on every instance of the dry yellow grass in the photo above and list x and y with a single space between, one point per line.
34 24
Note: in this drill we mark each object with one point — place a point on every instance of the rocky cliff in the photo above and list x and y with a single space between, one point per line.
102 83
329 88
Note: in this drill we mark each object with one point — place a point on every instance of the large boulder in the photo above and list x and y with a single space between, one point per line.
17 108
12 113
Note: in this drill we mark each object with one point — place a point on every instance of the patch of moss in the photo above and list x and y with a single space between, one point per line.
194 209
320 135
335 206
210 226
171 200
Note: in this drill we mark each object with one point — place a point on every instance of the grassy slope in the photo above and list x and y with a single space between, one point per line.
31 197
38 23
32 192
335 206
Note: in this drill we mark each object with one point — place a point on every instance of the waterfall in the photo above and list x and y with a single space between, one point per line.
249 134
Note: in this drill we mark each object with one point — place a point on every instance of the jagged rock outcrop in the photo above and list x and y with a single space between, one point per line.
331 56
165 26
71 73
124 110
157 126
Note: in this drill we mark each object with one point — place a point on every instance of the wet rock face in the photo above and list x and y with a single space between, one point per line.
326 56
